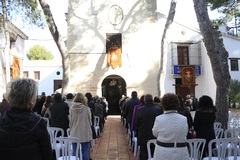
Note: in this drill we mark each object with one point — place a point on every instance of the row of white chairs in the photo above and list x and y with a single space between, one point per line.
195 147
219 133
218 149
63 145
134 144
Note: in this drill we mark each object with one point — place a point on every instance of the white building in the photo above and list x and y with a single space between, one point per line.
115 48
48 73
11 63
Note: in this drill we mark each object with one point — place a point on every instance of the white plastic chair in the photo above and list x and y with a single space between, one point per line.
219 149
96 125
129 135
196 147
218 132
68 132
235 155
151 141
217 124
54 132
232 133
134 144
65 151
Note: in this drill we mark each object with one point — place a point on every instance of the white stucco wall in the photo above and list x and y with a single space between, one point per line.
48 70
232 46
141 31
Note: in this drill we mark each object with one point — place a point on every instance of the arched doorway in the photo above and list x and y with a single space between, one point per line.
113 87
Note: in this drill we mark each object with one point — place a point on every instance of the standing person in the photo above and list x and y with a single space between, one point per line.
188 102
69 99
99 112
129 107
185 112
157 101
59 113
204 119
195 104
91 105
23 134
145 118
39 103
170 128
45 109
133 126
80 124
4 105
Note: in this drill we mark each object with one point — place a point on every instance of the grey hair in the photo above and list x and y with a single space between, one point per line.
20 91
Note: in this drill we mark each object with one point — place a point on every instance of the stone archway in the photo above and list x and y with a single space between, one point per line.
113 87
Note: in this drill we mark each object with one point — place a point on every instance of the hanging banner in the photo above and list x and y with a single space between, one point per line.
188 75
16 67
114 57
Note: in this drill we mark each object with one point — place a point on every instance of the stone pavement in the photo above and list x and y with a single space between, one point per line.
113 142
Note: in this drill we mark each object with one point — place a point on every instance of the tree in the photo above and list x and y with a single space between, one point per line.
31 14
38 52
169 21
218 58
59 42
24 10
230 14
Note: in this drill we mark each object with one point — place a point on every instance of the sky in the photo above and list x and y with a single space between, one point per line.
43 37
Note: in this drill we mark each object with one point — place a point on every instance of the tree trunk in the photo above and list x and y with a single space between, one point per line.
169 21
59 42
7 42
218 58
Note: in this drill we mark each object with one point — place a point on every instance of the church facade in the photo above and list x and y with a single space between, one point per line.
115 48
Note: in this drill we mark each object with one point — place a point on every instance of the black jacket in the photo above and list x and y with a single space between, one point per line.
59 115
145 119
24 136
129 106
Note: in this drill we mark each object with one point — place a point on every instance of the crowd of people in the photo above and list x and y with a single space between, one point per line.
167 119
24 134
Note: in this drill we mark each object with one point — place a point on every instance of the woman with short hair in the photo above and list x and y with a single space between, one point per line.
171 130
23 134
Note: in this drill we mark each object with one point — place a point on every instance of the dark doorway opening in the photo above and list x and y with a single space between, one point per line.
113 87
57 85
184 90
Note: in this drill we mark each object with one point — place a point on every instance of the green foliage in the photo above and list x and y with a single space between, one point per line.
214 4
234 90
229 8
26 13
38 52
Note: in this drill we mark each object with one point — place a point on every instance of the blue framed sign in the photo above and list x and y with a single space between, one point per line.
177 70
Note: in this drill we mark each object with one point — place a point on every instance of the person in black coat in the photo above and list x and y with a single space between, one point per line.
59 113
145 119
91 105
23 134
129 107
204 121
